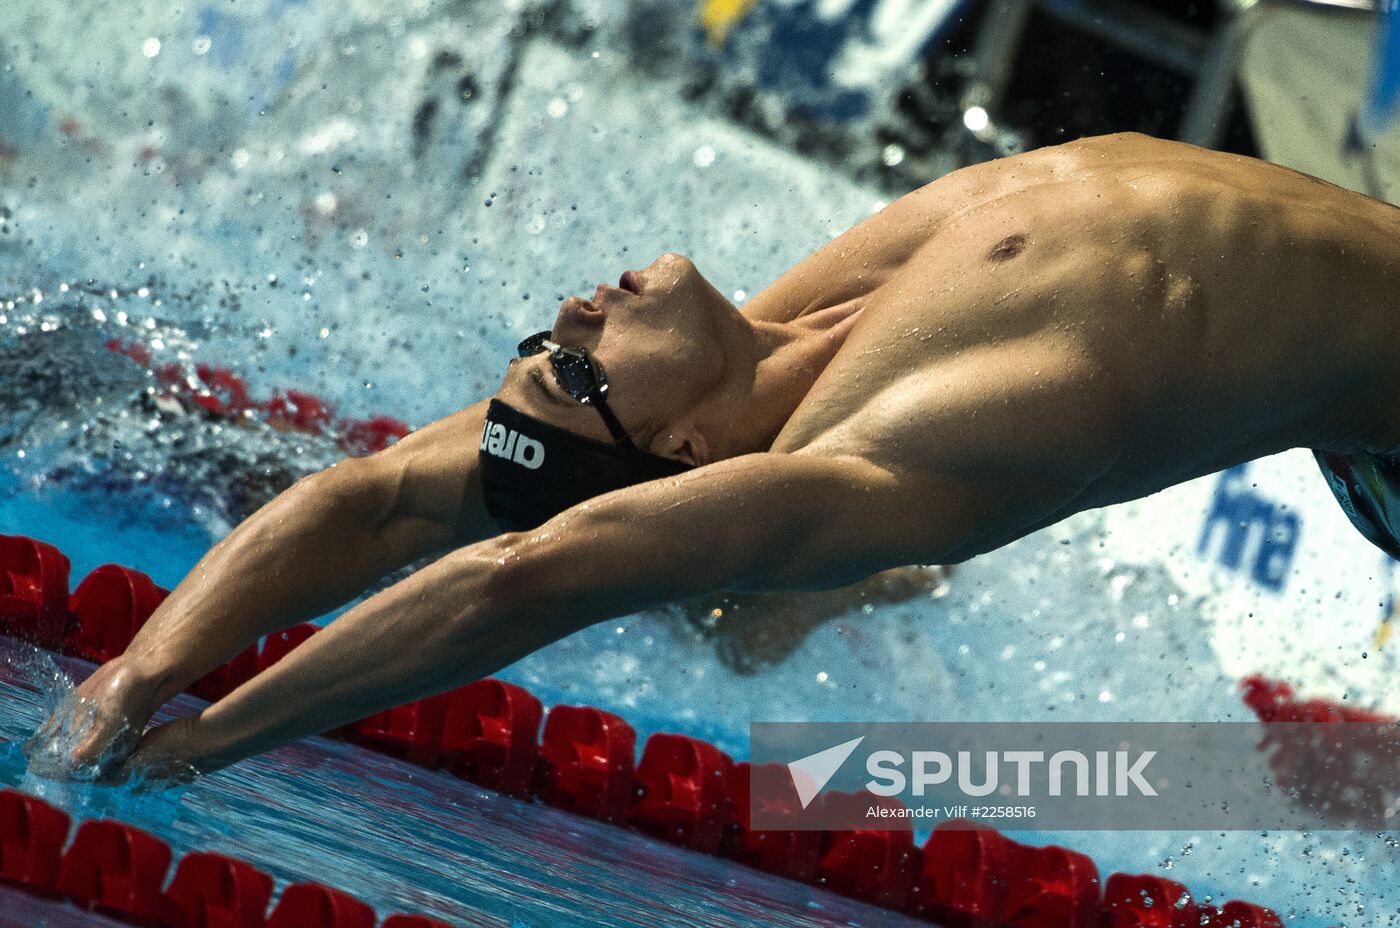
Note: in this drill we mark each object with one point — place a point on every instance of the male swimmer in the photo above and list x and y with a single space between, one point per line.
1013 343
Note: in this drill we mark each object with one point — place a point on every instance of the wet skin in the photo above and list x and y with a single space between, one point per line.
1013 343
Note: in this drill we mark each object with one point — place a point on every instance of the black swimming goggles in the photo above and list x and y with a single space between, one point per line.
580 375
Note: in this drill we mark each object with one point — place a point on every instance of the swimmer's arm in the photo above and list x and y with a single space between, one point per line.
317 545
762 522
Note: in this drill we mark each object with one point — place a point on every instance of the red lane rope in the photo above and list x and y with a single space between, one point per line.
221 393
682 790
120 871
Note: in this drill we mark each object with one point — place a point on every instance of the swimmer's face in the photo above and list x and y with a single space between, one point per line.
655 335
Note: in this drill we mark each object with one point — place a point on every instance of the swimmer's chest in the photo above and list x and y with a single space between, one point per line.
883 352
932 351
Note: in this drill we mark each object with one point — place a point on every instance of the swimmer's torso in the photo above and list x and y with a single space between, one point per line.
1090 323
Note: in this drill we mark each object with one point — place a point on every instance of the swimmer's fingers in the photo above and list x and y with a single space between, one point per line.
96 727
47 749
103 752
46 732
165 756
82 744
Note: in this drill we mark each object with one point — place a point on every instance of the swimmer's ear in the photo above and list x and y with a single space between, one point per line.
684 443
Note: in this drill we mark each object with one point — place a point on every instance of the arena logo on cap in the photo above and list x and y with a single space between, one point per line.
501 442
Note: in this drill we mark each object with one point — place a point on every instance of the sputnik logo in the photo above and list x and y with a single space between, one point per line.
810 774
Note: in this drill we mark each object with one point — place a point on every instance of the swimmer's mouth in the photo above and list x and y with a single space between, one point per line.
629 282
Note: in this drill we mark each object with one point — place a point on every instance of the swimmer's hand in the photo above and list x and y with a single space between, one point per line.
175 752
95 727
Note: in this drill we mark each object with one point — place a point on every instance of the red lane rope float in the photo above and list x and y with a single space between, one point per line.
33 589
875 865
108 608
1348 739
120 871
301 411
116 870
1275 701
586 762
683 790
311 905
32 835
220 392
490 735
212 889
793 854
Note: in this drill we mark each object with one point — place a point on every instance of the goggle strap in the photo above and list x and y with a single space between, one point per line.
541 341
615 428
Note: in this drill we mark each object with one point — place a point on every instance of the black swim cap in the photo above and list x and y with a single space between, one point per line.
531 471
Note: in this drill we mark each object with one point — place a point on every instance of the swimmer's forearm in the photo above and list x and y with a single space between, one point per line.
755 523
475 611
306 552
442 627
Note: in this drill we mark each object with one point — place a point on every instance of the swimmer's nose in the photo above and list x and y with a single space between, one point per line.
673 261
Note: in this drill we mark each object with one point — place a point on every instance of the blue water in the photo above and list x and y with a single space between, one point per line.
276 203
405 839
408 839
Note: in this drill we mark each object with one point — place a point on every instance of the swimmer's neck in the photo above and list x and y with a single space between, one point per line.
782 362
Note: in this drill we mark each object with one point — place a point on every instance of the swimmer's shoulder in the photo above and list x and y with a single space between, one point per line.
432 476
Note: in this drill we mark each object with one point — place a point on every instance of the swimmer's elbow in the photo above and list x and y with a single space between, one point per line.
358 492
519 576
497 573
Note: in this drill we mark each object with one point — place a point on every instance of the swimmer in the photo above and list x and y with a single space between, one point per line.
753 631
1009 345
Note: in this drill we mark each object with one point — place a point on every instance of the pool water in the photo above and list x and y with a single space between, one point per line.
21 910
405 839
259 189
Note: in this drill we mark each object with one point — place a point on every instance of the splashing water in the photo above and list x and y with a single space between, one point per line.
313 215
